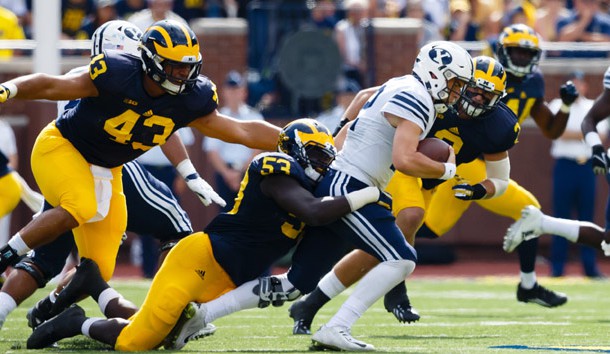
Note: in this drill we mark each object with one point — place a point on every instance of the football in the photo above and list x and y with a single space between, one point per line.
436 149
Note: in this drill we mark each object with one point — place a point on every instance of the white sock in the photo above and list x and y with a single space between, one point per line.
235 300
105 297
17 243
371 287
561 227
7 305
330 285
53 296
87 325
528 280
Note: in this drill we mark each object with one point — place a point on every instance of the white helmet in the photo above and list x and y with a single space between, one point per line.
436 64
117 34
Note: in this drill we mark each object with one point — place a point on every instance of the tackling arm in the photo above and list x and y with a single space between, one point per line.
292 197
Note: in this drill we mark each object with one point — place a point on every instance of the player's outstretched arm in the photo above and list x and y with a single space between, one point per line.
255 134
49 87
292 197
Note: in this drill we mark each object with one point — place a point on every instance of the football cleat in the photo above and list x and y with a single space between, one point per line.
529 226
190 326
541 296
302 316
338 338
65 325
404 312
39 313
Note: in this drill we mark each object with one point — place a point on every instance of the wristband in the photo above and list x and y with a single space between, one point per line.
592 139
362 197
11 88
187 170
449 171
564 108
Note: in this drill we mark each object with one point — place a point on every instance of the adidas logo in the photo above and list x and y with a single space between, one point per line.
201 273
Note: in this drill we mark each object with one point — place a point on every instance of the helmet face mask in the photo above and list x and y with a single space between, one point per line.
519 49
311 144
116 35
436 65
171 57
486 89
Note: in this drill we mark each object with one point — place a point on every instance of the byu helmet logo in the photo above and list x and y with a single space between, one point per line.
440 56
129 32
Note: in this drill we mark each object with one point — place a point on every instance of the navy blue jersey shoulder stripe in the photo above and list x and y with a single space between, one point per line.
413 102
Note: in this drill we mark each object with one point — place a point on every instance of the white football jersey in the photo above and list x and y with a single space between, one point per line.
367 151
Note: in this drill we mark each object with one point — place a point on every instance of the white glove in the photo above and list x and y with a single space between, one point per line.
204 191
198 185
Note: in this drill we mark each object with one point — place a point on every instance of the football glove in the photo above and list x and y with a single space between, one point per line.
5 93
342 123
568 93
465 191
204 191
599 160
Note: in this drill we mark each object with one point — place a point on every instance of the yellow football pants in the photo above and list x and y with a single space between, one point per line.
445 209
189 273
65 180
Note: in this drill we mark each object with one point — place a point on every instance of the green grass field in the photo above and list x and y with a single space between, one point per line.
478 315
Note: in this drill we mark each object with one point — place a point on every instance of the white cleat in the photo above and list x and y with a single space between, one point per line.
526 228
190 326
338 338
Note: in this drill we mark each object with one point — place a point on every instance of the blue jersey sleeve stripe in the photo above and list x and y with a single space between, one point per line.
413 101
411 109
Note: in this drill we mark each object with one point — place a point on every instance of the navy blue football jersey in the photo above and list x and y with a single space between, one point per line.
123 122
4 168
494 131
256 231
521 95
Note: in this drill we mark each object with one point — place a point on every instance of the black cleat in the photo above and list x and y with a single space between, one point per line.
541 296
302 316
404 312
65 325
86 276
39 313
397 302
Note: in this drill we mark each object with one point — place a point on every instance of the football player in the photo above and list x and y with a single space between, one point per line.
519 52
534 223
481 125
384 137
274 203
128 105
152 208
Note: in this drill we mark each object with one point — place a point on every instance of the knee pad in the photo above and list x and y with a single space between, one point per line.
29 267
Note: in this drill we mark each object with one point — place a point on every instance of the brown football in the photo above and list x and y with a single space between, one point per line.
436 149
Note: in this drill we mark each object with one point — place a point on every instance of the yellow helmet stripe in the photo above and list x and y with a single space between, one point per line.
181 52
